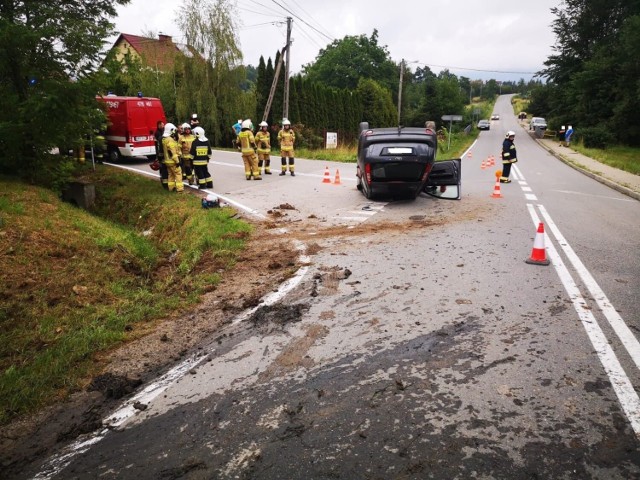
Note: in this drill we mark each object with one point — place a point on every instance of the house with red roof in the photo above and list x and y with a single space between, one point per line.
159 54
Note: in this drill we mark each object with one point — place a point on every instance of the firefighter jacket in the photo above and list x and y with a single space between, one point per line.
286 139
171 151
247 142
509 152
263 140
185 142
200 151
158 142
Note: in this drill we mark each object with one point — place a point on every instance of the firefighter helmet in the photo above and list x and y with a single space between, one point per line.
511 133
286 122
199 132
263 124
169 129
186 125
247 124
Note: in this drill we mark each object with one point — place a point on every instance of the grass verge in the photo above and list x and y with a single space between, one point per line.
74 283
623 158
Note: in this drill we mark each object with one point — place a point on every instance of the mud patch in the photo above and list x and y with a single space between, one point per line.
278 314
326 281
295 355
114 386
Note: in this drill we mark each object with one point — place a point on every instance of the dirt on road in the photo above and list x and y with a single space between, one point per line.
269 259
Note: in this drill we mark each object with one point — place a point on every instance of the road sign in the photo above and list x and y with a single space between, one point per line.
452 118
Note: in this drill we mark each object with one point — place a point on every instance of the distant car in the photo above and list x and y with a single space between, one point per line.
495 116
538 122
400 162
484 125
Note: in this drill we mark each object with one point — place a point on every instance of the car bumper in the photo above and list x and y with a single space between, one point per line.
396 189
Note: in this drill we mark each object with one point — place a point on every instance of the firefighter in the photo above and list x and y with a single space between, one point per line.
201 153
171 151
164 174
186 159
247 145
263 140
286 138
509 156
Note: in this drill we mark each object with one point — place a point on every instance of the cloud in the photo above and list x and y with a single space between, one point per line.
488 35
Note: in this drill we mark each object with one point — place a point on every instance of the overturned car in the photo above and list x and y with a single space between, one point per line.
400 162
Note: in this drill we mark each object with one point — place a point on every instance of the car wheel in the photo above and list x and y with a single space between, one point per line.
114 154
367 192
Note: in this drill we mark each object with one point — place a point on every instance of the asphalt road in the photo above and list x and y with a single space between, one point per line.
417 343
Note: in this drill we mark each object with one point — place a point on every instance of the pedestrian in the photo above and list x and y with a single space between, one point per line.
286 138
164 174
201 153
194 122
172 158
509 156
567 136
263 141
237 127
186 159
561 134
247 146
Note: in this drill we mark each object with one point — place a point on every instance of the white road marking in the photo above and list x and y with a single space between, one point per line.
621 384
596 196
525 189
531 197
626 336
298 173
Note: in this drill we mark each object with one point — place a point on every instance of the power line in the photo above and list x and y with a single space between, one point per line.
303 21
309 15
450 67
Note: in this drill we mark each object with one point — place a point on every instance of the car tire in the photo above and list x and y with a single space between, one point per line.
114 154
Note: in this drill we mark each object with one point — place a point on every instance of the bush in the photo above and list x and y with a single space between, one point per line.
596 137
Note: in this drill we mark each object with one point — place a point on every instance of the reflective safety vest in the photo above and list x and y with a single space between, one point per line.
201 151
263 140
247 141
171 151
286 139
509 152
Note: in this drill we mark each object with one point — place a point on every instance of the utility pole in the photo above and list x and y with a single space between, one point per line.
274 84
285 103
400 90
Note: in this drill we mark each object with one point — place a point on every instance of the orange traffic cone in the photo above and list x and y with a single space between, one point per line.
327 176
337 179
483 165
496 189
469 155
538 253
492 161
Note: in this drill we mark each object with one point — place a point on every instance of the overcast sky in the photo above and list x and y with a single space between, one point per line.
477 39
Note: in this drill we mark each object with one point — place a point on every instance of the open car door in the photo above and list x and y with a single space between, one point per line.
444 180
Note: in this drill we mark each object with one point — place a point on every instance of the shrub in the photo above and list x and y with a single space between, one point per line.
596 137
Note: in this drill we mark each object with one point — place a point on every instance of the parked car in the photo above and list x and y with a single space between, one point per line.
484 125
400 162
495 116
538 122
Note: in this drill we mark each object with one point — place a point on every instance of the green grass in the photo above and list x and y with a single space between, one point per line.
74 283
623 158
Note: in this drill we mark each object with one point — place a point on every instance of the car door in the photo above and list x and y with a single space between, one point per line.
445 180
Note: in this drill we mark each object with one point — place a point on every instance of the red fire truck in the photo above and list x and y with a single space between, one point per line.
131 124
